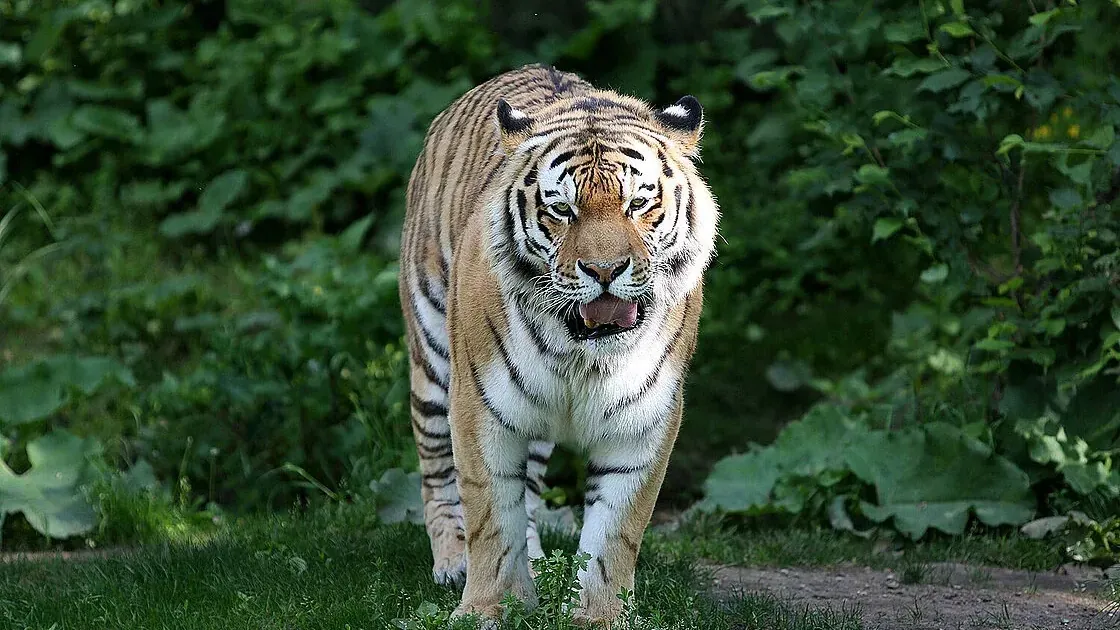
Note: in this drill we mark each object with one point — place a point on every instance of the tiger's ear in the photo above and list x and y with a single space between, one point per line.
684 121
513 125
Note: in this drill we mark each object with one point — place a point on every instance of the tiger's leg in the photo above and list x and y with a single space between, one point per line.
443 513
492 463
539 452
623 481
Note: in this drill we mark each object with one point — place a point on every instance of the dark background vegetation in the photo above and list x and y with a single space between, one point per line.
202 202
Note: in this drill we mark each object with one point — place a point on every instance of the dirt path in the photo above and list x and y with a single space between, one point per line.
946 597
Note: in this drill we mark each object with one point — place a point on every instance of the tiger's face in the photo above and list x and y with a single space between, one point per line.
606 203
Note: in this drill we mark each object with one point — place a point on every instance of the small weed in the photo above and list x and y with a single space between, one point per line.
915 572
979 576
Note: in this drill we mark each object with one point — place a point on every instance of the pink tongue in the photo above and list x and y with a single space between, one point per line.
608 309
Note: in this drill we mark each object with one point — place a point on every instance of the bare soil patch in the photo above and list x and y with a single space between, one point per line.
947 596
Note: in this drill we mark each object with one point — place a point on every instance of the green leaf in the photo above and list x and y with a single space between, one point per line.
787 376
957 29
993 345
107 122
1066 198
909 66
1040 19
49 493
1010 141
904 32
935 274
35 391
11 55
741 483
397 496
935 477
809 450
873 175
1103 138
884 228
943 80
222 191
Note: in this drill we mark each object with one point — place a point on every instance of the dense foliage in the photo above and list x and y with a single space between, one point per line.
919 245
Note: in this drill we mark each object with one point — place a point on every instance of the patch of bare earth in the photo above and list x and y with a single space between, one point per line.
946 596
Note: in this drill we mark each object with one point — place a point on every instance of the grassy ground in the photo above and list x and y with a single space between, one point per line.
333 568
766 545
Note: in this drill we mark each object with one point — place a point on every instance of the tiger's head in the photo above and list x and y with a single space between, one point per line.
605 217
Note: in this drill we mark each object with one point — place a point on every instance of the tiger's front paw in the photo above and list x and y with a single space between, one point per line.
487 613
450 571
599 618
449 567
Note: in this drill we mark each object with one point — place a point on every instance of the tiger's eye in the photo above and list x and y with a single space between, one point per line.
638 203
562 209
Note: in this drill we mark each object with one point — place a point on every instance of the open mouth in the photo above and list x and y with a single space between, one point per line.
604 316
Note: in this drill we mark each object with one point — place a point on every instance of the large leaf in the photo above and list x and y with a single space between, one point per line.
49 493
224 190
34 391
741 483
809 449
398 497
933 476
106 122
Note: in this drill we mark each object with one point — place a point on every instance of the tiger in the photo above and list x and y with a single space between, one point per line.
551 270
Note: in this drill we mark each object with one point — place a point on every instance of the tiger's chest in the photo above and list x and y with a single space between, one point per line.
580 398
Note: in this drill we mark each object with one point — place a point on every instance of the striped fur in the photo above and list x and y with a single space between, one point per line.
523 183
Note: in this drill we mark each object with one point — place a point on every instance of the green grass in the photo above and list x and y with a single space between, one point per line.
726 542
331 568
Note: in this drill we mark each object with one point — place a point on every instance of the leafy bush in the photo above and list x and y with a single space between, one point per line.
984 141
919 234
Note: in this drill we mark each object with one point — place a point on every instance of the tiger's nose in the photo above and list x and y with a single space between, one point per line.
604 272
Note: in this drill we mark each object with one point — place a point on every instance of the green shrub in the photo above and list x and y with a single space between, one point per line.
919 227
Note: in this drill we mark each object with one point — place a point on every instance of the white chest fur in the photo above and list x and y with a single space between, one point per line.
546 386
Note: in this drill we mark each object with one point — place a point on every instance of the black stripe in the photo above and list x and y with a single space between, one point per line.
514 374
539 458
628 152
595 470
533 486
435 485
432 342
429 453
534 334
489 404
428 408
425 287
531 176
666 170
430 435
563 157
679 261
440 474
430 373
652 379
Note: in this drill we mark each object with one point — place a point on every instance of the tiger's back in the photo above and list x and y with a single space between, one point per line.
552 256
